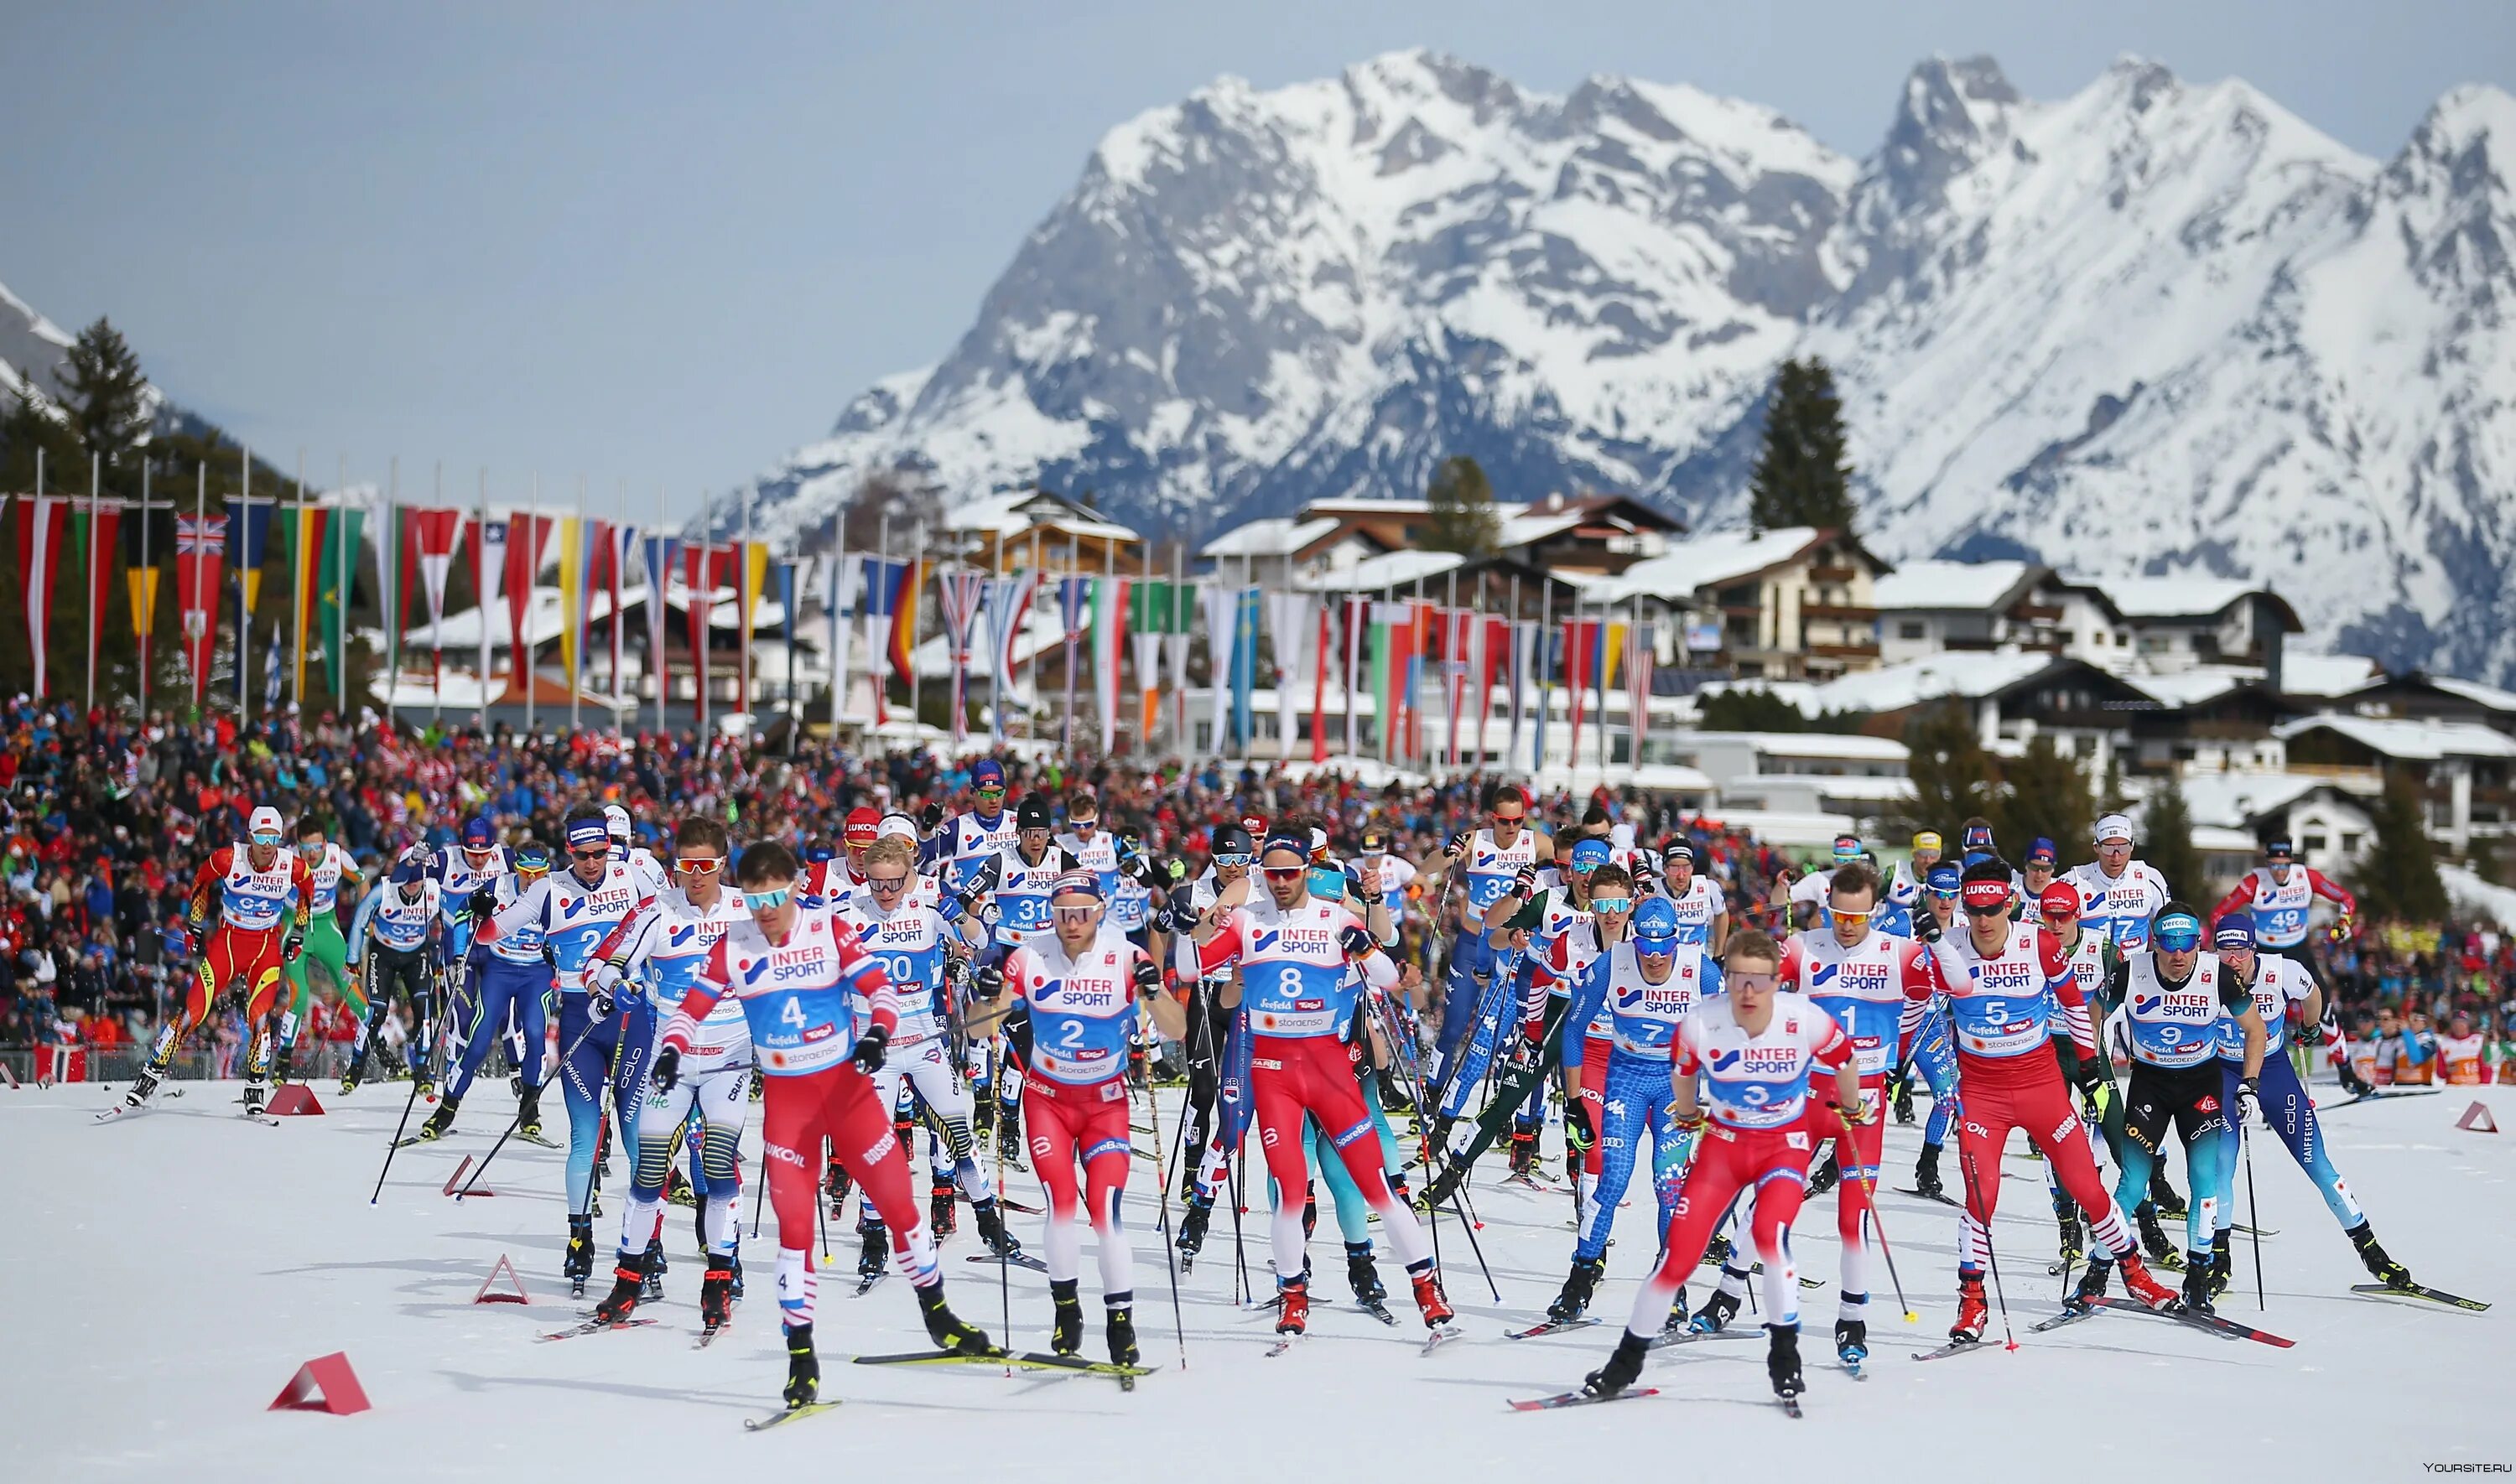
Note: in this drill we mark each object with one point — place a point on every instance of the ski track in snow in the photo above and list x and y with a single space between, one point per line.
165 1277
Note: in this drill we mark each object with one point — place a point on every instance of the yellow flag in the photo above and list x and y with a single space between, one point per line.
571 591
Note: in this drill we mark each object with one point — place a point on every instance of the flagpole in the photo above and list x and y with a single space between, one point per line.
658 627
244 610
1184 736
749 600
94 619
1073 568
617 550
997 672
209 610
1546 688
480 594
145 623
916 610
838 589
342 574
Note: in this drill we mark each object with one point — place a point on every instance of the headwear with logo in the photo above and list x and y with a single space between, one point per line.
1074 881
863 826
532 857
1590 854
615 821
2041 848
1847 847
2115 827
896 827
478 834
1986 895
1928 839
1230 840
1656 923
2058 903
986 771
1978 837
587 832
2278 847
2176 930
1031 813
265 821
2235 930
1945 880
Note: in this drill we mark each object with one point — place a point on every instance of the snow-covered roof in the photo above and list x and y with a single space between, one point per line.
1970 674
2326 675
2190 688
1005 515
1694 562
2489 696
1965 585
1866 788
1849 747
1273 536
2470 893
2187 596
1536 525
2416 741
1775 827
1390 569
2234 801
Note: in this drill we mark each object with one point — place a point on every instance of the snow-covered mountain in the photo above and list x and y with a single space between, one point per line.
2152 327
31 346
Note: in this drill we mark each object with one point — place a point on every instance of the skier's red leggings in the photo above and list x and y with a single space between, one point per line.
1771 1164
837 1104
2025 1092
1594 1096
1290 1077
1069 1124
233 953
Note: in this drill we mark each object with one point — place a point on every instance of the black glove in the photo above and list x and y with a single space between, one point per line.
668 1068
291 947
2351 1079
1579 1136
1926 929
1358 941
1180 916
1527 1053
867 1056
987 981
2085 1078
1459 846
1525 885
1149 976
930 818
483 903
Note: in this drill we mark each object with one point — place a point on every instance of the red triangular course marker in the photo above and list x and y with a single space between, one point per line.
513 1293
295 1099
2477 1119
324 1383
454 1181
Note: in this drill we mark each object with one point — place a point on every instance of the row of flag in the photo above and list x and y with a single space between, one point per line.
1396 650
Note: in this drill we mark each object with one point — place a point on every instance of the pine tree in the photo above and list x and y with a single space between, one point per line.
1801 477
1951 774
106 396
2166 841
2397 878
2045 792
1462 509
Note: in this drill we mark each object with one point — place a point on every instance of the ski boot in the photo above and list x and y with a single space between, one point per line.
949 1332
2199 1272
2223 1260
579 1264
1192 1234
943 1212
873 1255
803 1367
1066 1330
146 1088
1826 1177
1524 1155
528 1113
1292 1306
1926 1174
715 1292
991 1217
1430 1301
655 1266
1904 1100
1678 1317
350 1081
2153 1240
1444 1185
1009 1139
2138 1283
1578 1285
1851 1339
254 1094
1716 1253
1973 1313
1782 1360
677 1188
1122 1332
1363 1274
2091 1286
2072 1237
736 1260
440 1120
2162 1195
1310 1213
2382 1268
628 1286
427 1086
1624 1365
1715 1315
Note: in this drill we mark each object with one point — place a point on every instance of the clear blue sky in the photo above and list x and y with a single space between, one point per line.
667 243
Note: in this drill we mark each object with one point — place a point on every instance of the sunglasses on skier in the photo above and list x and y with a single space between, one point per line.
1073 914
1855 919
267 839
989 791
1612 904
764 901
887 884
689 865
591 852
1287 873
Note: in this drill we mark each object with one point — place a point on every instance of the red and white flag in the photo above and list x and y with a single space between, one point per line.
41 522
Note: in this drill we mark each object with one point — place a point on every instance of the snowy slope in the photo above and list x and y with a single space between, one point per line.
167 1274
30 347
2153 326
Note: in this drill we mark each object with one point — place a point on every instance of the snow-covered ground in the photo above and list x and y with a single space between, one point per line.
165 1275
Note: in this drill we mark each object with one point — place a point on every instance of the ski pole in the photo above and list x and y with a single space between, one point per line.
517 1121
413 1098
1004 1264
1458 1196
1869 1201
1162 1194
2254 1214
1974 1184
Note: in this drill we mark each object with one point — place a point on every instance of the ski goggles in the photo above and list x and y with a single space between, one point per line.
1612 904
766 901
2178 933
887 885
268 838
1241 858
697 865
1646 947
1855 918
1083 914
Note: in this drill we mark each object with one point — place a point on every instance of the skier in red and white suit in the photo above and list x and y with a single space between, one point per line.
797 972
1756 1047
1998 978
1298 997
1080 985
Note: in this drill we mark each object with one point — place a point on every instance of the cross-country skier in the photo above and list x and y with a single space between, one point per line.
958 845
460 870
2280 895
335 882
1756 1048
1503 857
1080 985
2276 982
819 1086
667 940
2177 1004
2009 991
514 972
398 937
246 919
1702 911
1297 997
2118 894
1641 990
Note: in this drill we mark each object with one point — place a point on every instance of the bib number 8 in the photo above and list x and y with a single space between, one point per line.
1288 980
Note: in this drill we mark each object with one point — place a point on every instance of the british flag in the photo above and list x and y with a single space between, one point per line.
200 537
